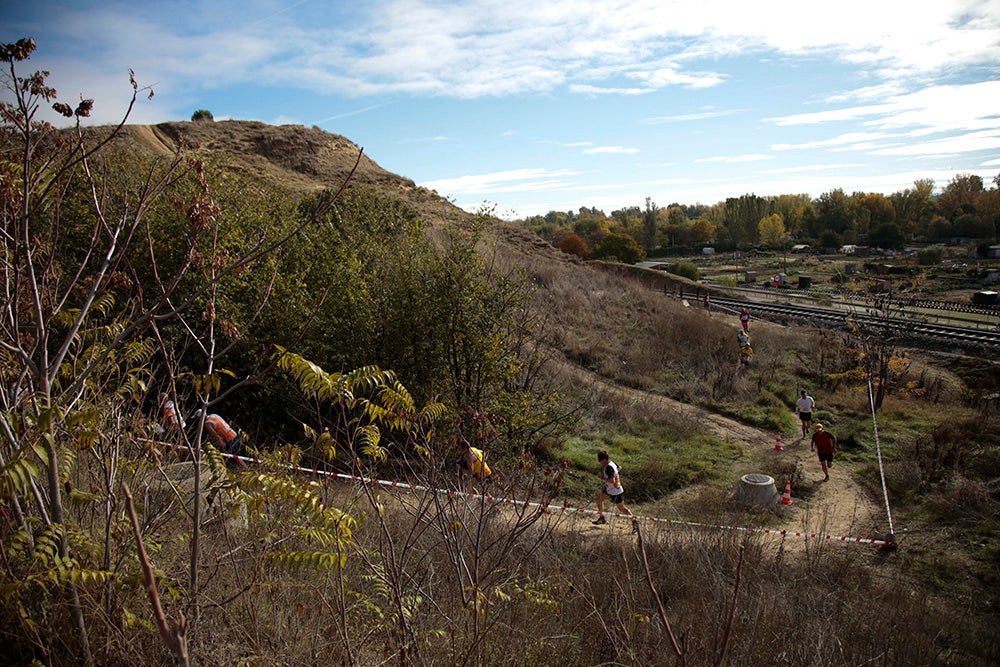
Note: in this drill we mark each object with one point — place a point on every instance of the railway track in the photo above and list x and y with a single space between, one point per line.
915 332
849 298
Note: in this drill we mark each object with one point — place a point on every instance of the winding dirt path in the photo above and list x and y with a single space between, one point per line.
840 507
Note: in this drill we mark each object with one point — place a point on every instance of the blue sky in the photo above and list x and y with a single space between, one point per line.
527 106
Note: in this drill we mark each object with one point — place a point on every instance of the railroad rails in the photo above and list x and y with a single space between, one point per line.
850 298
912 330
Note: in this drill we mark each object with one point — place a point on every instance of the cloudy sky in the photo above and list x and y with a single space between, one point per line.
527 106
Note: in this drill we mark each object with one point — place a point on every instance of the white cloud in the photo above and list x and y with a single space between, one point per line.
678 118
847 138
736 158
798 169
972 141
597 90
610 149
935 107
501 181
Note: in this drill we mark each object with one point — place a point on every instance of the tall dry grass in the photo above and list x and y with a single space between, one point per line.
436 581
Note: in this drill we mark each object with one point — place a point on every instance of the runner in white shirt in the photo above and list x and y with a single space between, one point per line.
805 406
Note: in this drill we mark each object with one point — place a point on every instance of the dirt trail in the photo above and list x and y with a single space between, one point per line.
840 507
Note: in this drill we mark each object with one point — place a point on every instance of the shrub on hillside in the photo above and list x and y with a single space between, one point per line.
572 244
202 114
619 247
929 256
687 270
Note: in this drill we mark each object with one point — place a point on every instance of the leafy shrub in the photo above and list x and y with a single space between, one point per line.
929 256
202 114
619 247
685 270
572 244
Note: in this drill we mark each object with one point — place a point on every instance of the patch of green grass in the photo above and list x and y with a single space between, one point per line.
654 462
768 411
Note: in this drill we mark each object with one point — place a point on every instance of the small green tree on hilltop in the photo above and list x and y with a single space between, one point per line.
620 247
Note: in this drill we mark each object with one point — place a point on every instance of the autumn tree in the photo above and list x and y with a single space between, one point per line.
677 227
702 230
743 215
772 231
70 311
874 341
572 244
792 209
887 235
873 211
835 213
98 298
915 207
592 229
960 195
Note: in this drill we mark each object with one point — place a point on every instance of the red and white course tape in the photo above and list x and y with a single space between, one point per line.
564 508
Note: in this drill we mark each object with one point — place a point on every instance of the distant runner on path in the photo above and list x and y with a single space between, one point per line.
745 320
805 406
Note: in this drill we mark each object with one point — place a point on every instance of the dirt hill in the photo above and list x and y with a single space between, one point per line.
306 159
293 156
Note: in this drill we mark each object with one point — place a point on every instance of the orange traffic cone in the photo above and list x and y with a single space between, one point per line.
786 498
777 444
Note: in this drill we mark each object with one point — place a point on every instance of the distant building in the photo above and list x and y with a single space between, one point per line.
656 266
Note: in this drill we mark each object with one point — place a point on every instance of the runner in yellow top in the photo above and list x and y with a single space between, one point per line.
474 462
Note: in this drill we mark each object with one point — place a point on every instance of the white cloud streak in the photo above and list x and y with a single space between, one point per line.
732 159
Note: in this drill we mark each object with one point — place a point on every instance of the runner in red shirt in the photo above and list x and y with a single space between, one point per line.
825 444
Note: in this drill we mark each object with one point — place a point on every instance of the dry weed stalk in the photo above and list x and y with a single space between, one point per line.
656 597
173 635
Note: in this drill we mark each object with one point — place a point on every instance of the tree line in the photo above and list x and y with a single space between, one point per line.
964 209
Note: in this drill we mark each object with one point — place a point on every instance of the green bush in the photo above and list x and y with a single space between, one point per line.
202 114
929 256
685 270
620 248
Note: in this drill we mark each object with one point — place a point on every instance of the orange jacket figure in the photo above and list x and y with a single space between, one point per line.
168 411
222 434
